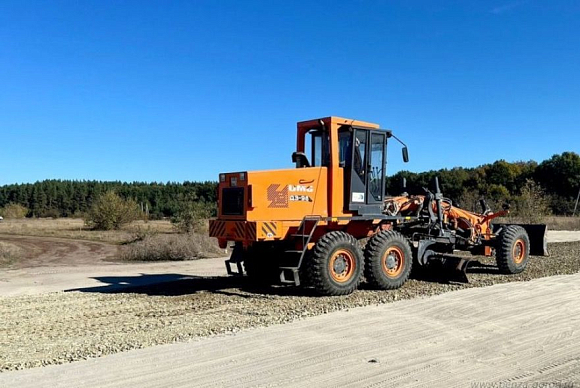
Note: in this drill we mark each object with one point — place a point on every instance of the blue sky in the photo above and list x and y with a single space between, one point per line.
173 91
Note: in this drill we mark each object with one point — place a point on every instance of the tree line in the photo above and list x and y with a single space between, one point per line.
70 198
555 181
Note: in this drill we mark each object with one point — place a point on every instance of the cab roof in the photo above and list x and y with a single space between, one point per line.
338 121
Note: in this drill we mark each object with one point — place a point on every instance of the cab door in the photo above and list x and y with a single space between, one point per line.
376 168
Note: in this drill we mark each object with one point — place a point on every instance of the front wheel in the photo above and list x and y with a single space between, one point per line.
388 260
336 264
512 250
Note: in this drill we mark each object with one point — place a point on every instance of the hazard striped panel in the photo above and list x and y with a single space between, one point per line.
268 230
217 228
244 230
251 231
240 230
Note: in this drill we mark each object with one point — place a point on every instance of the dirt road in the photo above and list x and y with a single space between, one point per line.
59 252
563 235
110 275
50 264
510 332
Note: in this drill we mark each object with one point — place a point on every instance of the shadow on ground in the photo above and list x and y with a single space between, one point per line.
180 284
438 273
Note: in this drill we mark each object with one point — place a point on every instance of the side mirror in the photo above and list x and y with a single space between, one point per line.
405 154
300 159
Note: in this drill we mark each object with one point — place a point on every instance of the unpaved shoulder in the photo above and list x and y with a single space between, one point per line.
510 333
563 235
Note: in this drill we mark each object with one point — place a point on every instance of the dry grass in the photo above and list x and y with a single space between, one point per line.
75 228
8 253
562 223
143 241
159 247
553 222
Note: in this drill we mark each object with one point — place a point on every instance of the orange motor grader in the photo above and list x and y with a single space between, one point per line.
307 225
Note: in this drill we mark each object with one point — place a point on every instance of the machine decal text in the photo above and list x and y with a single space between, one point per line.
300 189
277 198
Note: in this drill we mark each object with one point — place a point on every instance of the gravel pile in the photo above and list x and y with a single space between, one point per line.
63 327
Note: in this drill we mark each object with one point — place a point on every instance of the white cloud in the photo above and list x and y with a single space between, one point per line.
506 7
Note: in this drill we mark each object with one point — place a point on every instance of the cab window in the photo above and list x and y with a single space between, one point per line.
344 147
320 145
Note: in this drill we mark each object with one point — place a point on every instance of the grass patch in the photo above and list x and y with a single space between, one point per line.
553 222
9 254
75 228
562 223
171 247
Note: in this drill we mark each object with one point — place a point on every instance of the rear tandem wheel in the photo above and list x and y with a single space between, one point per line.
336 265
388 260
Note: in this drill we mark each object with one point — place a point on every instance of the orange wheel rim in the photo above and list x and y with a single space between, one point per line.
342 266
393 262
519 251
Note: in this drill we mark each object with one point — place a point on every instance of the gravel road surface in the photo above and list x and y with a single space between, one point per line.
505 333
112 314
78 269
57 328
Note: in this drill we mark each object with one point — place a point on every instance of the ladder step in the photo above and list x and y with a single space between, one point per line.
290 274
295 277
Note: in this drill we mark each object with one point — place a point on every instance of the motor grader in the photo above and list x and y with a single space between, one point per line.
327 222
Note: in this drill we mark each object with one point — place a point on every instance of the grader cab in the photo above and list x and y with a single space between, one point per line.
306 225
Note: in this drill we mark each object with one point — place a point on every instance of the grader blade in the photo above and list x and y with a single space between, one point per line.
456 268
538 234
453 268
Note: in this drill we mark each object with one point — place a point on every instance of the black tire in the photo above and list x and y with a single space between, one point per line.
261 264
388 260
512 250
336 265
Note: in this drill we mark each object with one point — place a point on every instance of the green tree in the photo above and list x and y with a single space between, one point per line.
192 216
13 210
109 211
38 201
502 173
532 205
560 174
